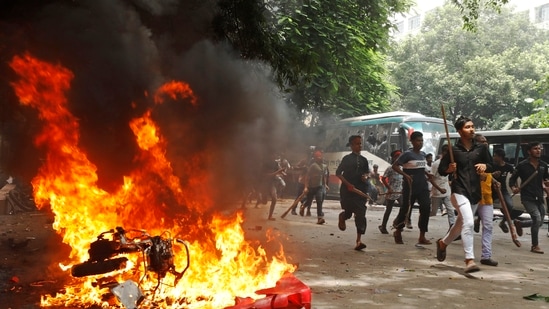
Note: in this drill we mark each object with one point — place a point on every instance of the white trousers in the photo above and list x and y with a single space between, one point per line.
464 224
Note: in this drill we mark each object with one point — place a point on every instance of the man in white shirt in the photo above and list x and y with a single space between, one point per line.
439 199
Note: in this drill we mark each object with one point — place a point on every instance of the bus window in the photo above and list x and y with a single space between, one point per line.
431 134
509 148
335 138
510 152
376 139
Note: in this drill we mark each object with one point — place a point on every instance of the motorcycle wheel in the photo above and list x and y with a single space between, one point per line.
98 268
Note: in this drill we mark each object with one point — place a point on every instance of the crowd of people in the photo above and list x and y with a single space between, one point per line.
462 182
312 184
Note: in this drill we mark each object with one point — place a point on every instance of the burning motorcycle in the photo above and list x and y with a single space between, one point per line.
158 257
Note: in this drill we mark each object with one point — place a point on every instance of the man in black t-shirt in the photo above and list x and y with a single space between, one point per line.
353 172
534 175
503 169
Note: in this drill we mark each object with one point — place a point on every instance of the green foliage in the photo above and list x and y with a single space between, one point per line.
327 54
244 24
540 119
471 10
543 86
337 50
486 74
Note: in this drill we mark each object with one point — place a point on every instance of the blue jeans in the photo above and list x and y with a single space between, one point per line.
514 213
318 194
536 209
486 214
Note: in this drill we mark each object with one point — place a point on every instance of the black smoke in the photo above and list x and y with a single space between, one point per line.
120 52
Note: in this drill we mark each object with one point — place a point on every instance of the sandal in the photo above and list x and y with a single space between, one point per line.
470 267
441 253
341 221
360 246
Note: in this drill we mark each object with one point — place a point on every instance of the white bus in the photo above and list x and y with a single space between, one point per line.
381 133
514 142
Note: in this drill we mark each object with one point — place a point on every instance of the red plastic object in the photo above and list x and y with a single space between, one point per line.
289 293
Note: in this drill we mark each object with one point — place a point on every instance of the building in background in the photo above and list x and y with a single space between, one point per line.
410 23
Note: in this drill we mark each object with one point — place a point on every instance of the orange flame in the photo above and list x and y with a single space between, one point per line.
223 263
172 90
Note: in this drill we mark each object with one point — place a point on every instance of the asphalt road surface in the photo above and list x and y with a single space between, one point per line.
387 275
384 275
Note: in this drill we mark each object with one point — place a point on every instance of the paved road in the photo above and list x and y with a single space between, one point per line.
404 276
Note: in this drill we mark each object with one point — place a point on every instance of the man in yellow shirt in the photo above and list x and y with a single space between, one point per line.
486 212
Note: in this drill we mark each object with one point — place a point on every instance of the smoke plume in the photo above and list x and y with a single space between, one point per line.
120 52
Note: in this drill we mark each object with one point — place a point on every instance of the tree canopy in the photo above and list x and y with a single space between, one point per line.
471 10
328 55
491 74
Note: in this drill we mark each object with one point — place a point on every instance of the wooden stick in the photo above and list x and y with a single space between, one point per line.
450 150
393 192
524 183
410 206
294 204
506 214
365 195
